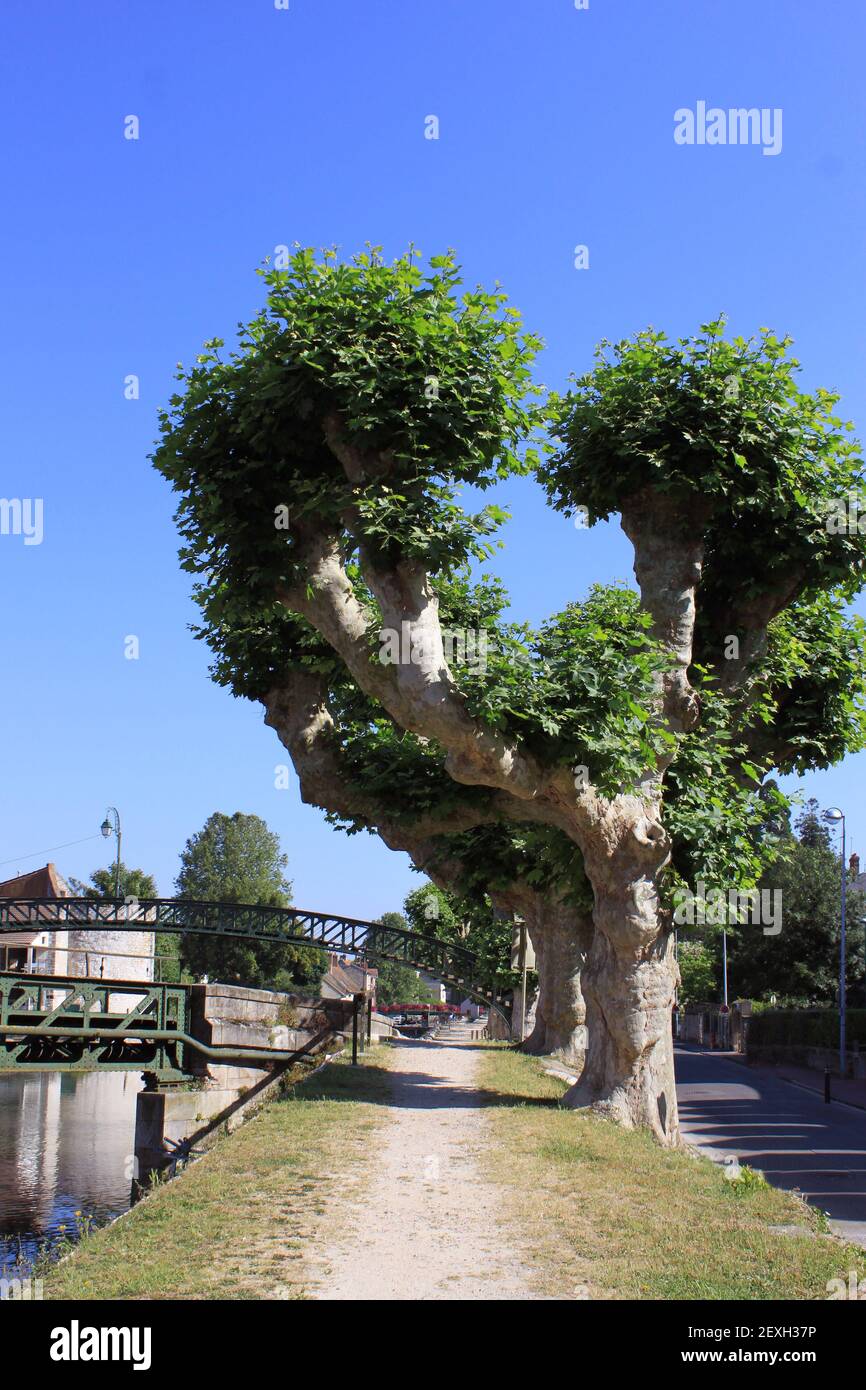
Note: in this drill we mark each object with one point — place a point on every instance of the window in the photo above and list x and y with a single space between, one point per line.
13 957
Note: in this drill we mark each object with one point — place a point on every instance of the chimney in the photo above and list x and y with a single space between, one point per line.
854 865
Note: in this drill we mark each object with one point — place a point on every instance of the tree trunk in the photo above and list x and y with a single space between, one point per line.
628 980
628 984
560 938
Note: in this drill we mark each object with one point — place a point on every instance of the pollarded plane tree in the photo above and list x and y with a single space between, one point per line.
319 466
368 774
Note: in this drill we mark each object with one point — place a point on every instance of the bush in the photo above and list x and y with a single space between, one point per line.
804 1028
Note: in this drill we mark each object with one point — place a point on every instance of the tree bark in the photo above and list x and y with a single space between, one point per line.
629 974
560 938
628 984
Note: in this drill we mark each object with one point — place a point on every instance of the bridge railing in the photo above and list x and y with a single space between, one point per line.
52 1020
448 961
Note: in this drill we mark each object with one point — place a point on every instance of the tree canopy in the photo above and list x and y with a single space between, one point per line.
237 859
397 983
134 883
801 967
319 466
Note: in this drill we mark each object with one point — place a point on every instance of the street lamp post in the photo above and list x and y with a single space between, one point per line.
112 827
834 814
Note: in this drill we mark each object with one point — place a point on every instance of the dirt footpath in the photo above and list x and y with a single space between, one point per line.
424 1225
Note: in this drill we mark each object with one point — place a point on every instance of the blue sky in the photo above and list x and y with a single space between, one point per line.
261 127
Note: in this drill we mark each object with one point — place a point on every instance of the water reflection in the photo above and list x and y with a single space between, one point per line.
65 1146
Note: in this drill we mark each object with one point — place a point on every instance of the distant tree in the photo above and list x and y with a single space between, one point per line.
398 984
395 920
134 883
237 859
468 919
697 973
800 965
432 911
812 830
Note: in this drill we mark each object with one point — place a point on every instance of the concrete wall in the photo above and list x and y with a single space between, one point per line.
229 1016
111 955
235 1016
497 1027
382 1027
196 1116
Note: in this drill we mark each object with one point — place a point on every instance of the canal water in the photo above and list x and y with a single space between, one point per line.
66 1146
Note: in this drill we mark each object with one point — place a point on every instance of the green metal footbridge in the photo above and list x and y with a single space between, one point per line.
57 1022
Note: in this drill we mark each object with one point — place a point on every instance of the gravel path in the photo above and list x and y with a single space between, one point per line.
425 1225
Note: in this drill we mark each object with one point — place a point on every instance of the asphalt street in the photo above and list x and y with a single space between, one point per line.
796 1140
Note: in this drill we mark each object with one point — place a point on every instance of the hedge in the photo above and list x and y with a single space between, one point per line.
805 1028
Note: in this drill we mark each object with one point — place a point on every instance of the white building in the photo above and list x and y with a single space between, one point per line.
96 954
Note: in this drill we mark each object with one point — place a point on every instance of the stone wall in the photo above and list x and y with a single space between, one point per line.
111 955
234 1015
230 1016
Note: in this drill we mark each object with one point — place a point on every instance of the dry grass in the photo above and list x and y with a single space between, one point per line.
612 1215
596 1212
237 1223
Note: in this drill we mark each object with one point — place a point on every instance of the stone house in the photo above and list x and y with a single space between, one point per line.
96 954
345 978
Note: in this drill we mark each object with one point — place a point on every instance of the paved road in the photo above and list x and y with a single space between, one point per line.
786 1132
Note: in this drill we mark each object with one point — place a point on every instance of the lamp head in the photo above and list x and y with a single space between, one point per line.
106 827
833 813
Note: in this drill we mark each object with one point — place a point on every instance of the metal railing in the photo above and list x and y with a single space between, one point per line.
447 961
56 1023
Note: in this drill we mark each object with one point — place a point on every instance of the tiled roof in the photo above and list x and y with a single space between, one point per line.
349 979
39 883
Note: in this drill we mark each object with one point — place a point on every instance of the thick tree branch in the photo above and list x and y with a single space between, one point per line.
668 553
419 693
297 710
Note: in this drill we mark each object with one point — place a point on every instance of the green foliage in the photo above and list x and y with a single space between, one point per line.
429 909
169 967
802 963
578 690
746 1182
134 883
804 1028
430 385
396 983
697 973
724 424
359 402
812 830
237 859
724 824
467 917
808 696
